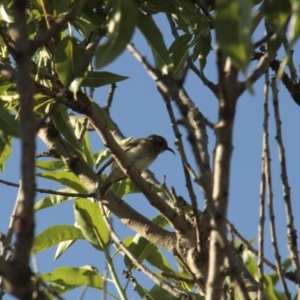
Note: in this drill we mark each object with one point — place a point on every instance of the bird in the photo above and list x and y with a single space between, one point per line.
141 152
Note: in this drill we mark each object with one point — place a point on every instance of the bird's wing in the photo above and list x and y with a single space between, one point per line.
125 148
131 144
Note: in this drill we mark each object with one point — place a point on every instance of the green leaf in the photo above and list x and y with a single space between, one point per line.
8 124
60 7
51 165
120 31
157 292
233 30
61 122
144 250
179 58
88 149
156 41
69 53
4 15
140 248
65 178
181 40
202 48
63 247
51 200
91 223
295 21
96 79
54 235
5 151
75 277
157 259
277 12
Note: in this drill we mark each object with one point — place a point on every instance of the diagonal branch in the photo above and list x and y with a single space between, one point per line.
178 222
120 208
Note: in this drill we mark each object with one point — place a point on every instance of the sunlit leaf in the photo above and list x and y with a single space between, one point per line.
91 223
62 248
51 165
51 200
54 235
295 21
5 151
65 178
84 276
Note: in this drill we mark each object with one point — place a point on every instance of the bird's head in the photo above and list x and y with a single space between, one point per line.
160 144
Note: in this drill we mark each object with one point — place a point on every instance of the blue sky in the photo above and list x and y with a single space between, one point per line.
139 111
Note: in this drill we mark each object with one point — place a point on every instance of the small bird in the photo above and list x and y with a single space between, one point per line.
141 152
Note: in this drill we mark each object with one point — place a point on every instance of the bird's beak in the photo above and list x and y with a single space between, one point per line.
170 150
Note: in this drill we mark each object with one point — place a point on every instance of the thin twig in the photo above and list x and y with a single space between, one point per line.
110 97
57 25
51 192
268 173
212 86
261 228
166 286
291 230
193 119
187 176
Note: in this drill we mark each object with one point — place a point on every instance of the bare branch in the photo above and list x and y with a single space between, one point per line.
184 161
177 221
291 230
120 208
110 97
271 209
23 224
166 286
261 228
51 192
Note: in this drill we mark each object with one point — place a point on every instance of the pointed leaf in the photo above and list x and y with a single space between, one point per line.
295 21
96 79
62 248
140 248
84 276
120 30
5 151
157 292
179 58
66 178
50 165
69 53
8 124
62 123
51 200
91 223
54 235
156 41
